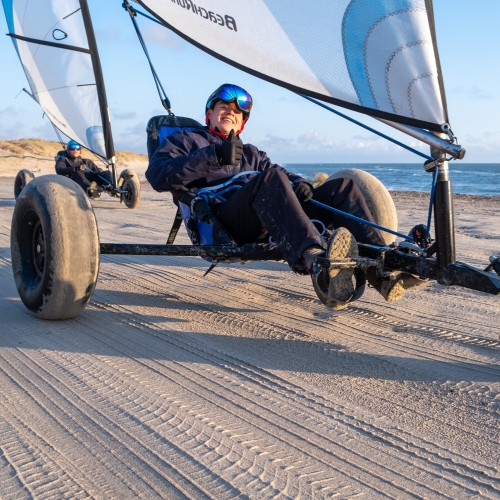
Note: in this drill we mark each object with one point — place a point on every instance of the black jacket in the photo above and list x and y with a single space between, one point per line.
188 159
67 166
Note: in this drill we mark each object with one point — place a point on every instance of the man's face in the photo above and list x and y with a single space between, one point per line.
226 116
74 153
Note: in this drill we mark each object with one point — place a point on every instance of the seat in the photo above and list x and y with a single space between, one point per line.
200 232
161 126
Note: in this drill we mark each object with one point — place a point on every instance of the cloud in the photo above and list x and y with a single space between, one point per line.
132 139
45 131
9 111
14 131
124 115
112 34
370 137
473 92
312 137
477 93
161 36
313 146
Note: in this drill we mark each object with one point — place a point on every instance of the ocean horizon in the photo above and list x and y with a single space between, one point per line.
467 178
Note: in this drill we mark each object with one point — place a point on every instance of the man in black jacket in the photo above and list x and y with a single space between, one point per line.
273 203
81 170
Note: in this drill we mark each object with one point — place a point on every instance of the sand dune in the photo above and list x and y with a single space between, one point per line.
38 156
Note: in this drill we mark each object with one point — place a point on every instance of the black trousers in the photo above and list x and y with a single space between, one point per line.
267 206
83 179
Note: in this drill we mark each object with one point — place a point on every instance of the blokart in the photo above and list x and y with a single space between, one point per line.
127 187
55 244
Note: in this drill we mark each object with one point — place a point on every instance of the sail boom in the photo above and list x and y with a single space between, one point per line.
454 150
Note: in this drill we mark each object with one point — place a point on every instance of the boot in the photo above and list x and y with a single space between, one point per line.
93 191
395 285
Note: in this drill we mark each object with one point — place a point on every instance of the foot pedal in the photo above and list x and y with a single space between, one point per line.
495 265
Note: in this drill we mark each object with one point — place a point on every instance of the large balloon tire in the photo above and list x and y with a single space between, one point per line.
130 183
54 247
377 198
23 177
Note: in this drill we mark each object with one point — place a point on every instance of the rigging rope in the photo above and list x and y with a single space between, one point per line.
419 153
159 87
58 135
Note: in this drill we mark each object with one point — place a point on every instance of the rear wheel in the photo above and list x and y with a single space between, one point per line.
129 182
23 177
377 198
54 247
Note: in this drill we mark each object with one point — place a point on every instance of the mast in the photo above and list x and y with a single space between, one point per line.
101 92
443 219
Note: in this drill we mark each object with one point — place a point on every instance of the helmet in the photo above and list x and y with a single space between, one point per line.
231 93
72 145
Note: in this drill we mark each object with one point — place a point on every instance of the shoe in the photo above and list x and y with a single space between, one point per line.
304 266
335 287
394 286
93 191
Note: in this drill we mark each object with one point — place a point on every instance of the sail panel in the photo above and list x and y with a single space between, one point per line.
59 67
374 56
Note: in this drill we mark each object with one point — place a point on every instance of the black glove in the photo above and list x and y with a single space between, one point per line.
230 151
79 165
303 191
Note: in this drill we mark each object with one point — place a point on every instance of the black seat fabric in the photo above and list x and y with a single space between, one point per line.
162 126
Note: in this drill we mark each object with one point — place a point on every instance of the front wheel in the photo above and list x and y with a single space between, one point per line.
54 247
23 177
129 182
377 197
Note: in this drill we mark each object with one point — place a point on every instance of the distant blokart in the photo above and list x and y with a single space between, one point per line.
127 188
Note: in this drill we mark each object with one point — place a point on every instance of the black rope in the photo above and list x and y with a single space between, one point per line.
159 87
58 135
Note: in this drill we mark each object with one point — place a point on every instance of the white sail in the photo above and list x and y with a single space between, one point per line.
378 57
56 46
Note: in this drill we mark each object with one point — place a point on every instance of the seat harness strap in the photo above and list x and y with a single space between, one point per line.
175 227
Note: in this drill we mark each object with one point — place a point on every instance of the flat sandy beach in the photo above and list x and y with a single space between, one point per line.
242 384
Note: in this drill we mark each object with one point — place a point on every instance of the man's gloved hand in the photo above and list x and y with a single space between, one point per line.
230 151
79 165
303 191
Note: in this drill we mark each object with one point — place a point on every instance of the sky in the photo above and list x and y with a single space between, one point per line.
287 127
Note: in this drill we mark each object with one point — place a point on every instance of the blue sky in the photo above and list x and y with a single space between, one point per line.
289 128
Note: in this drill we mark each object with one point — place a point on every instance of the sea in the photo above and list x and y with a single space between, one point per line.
467 178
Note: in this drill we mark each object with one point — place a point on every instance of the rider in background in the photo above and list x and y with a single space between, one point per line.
81 170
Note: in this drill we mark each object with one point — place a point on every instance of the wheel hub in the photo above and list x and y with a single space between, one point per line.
39 248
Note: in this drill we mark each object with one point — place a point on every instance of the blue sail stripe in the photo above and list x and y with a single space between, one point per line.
359 17
9 16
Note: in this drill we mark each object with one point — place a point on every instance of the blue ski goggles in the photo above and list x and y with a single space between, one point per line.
74 147
231 93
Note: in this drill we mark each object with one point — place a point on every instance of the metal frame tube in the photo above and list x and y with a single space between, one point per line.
444 220
251 251
434 140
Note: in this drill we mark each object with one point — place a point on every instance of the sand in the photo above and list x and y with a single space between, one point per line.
243 385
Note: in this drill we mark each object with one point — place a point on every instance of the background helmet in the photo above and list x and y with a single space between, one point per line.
231 93
73 145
